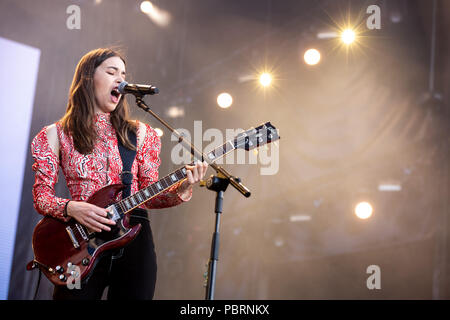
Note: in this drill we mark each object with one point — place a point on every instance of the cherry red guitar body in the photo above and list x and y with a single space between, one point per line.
63 250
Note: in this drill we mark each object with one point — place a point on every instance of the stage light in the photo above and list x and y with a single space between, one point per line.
159 16
311 57
348 36
390 186
159 132
363 210
246 77
146 7
224 100
327 35
265 79
175 112
299 218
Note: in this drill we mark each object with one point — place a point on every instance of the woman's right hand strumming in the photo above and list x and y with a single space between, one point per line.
89 215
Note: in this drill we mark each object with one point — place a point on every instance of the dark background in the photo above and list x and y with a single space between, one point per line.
364 115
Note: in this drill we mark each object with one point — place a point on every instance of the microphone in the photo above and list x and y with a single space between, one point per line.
137 89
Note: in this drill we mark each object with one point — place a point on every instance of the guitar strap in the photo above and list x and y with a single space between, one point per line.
126 176
127 156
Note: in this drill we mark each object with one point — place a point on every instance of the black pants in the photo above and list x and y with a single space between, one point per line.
131 275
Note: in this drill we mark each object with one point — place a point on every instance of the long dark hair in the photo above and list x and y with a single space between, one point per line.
78 120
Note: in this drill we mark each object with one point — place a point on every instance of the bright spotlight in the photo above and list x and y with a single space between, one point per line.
159 132
363 210
175 112
265 79
146 7
312 57
224 100
348 36
159 16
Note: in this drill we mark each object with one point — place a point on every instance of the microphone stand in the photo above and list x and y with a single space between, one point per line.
218 184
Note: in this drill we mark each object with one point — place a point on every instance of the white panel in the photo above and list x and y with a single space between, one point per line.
19 65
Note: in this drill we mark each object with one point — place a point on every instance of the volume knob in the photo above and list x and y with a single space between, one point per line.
62 277
59 269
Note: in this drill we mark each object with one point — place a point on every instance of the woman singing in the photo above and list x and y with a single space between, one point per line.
85 144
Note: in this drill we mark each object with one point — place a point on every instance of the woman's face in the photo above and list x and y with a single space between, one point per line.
107 77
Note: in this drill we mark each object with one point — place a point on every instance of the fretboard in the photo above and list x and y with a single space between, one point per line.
221 151
145 194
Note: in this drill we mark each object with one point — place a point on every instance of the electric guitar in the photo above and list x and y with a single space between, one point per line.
60 246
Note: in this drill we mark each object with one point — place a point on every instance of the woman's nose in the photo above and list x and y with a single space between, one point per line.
120 79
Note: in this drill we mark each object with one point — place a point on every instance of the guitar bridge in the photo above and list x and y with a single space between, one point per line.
82 232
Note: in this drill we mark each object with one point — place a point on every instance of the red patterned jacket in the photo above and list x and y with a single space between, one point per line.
86 174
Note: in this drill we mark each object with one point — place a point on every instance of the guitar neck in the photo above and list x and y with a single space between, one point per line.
247 140
128 204
219 152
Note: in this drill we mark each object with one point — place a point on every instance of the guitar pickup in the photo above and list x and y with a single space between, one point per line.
113 214
72 237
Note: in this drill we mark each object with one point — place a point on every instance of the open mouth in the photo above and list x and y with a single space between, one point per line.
115 95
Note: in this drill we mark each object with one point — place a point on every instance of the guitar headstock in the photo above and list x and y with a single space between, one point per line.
256 137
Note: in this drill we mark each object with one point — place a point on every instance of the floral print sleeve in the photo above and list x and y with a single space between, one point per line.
46 168
86 174
148 161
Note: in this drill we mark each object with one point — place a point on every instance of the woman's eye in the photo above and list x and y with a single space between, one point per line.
110 73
